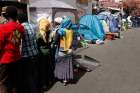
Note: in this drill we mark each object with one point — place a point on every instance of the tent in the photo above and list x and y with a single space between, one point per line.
112 20
94 29
114 24
49 8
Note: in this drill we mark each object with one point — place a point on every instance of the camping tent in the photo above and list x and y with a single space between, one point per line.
94 29
49 8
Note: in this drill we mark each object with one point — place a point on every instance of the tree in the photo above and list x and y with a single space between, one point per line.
130 5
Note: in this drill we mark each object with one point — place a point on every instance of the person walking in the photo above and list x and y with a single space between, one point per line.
11 34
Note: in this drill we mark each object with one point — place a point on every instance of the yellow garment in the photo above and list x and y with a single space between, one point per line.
66 40
44 26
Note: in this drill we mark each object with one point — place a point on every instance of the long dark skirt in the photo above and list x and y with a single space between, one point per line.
64 68
46 70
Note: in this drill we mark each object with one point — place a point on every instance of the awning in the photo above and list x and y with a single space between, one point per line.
50 4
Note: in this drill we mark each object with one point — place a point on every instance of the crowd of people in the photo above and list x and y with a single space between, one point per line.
31 56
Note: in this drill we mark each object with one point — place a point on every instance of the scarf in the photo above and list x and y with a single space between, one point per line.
44 26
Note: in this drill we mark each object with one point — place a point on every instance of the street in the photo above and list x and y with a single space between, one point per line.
119 71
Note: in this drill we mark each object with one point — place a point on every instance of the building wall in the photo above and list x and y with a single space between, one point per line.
110 3
70 2
73 3
86 7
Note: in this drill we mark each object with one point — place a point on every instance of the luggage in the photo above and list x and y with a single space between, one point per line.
86 63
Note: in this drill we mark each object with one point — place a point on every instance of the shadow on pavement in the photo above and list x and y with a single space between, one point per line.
82 65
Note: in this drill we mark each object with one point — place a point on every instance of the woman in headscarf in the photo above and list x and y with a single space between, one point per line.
46 64
63 67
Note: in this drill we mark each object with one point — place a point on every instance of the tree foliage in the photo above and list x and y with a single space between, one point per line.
130 5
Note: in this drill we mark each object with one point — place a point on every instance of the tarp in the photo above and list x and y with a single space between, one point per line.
107 13
111 20
104 17
114 25
94 30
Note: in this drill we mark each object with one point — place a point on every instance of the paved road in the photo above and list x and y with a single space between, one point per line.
119 71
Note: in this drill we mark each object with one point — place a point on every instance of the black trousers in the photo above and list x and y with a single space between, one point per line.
8 76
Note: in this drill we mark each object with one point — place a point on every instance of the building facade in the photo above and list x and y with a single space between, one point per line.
82 5
110 3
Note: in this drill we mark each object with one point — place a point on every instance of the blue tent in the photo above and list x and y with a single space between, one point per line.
105 14
94 29
112 21
114 24
103 17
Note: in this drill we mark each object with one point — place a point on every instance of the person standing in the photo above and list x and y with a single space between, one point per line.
30 57
63 65
11 34
46 65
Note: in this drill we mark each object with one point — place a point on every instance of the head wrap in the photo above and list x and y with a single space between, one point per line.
44 26
66 23
58 20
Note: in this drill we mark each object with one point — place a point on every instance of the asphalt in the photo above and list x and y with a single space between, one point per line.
119 71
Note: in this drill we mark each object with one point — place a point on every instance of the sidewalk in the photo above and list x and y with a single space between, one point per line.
119 70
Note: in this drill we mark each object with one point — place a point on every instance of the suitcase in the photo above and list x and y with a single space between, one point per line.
86 63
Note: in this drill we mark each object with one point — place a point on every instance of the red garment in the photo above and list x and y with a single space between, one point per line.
10 40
